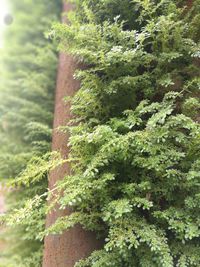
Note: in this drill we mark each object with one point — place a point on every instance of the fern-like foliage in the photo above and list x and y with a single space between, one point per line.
135 140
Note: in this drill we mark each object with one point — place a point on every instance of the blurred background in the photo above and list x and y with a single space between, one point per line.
28 67
4 14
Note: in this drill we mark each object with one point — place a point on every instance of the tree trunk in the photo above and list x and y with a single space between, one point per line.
66 249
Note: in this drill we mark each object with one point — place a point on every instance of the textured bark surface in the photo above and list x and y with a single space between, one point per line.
189 3
66 249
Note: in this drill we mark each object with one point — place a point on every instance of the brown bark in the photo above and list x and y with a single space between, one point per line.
189 3
66 249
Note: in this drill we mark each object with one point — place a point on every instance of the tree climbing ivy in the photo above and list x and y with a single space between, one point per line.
135 133
28 64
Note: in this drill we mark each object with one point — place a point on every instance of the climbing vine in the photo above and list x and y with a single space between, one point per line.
135 132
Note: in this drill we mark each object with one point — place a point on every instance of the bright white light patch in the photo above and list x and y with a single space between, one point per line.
4 10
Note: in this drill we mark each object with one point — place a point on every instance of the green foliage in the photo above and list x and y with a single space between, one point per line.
28 73
135 135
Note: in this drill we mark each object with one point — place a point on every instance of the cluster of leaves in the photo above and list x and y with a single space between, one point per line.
28 74
135 136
